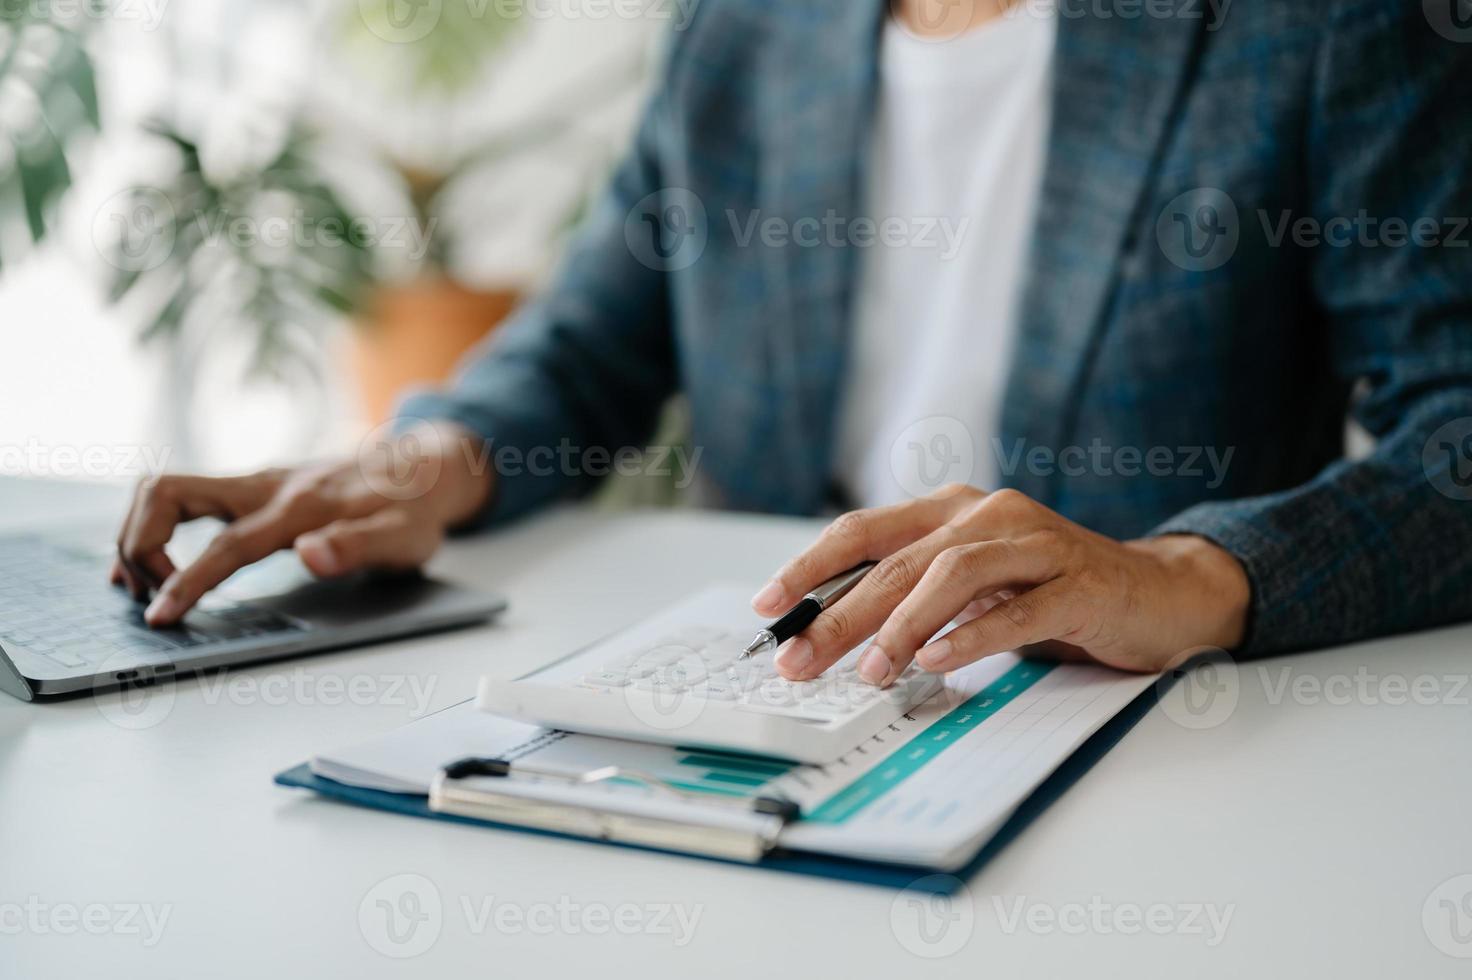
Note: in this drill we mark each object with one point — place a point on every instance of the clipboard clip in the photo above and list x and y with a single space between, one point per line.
772 806
591 820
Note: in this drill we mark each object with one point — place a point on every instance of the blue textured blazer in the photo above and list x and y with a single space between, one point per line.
1168 304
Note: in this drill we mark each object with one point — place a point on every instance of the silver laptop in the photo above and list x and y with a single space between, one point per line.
64 629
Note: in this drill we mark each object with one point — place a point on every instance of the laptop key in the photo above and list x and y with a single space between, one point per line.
75 655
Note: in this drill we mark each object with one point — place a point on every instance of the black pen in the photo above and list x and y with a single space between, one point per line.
801 616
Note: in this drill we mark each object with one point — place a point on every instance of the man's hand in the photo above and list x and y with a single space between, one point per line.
1017 575
389 508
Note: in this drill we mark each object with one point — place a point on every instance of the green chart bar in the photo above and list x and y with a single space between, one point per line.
944 732
728 774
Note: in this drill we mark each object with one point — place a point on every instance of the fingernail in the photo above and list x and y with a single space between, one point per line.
935 655
874 666
318 555
795 656
163 609
769 596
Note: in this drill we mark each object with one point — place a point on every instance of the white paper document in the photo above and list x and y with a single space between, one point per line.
929 789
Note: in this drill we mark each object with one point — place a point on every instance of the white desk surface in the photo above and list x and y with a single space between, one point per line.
1330 823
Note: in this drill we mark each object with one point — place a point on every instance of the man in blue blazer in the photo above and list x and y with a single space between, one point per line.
1243 223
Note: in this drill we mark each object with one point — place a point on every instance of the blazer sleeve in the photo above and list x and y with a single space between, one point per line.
589 364
1380 544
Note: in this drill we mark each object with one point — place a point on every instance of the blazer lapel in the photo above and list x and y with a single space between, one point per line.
1117 87
822 77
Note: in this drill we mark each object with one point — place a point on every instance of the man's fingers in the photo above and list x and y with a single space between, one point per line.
958 576
391 539
857 615
162 504
1041 614
153 568
244 542
855 537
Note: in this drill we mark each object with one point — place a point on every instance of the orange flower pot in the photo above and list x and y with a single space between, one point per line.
415 333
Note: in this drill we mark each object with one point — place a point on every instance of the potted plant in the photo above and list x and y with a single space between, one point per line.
371 200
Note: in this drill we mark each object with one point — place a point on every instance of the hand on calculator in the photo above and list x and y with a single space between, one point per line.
1017 575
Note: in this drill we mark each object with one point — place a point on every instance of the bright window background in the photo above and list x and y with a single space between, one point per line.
79 397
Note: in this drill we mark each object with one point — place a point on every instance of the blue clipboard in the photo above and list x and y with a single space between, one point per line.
894 876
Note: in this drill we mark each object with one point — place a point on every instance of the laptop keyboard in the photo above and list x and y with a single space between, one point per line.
54 602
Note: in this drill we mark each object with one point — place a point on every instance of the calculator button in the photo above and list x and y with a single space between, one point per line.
606 678
655 685
683 674
776 693
828 706
667 654
700 636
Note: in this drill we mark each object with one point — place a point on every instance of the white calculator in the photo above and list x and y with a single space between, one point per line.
679 679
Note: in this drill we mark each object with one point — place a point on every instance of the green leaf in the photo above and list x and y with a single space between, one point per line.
48 94
291 287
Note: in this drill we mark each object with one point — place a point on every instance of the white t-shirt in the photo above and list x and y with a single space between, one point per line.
959 145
